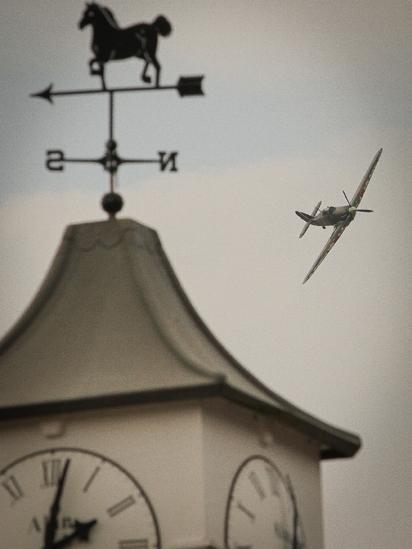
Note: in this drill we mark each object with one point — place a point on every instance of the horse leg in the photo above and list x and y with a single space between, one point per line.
144 76
97 69
151 59
102 76
94 67
157 67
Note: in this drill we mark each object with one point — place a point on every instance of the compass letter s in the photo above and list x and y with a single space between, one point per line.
55 160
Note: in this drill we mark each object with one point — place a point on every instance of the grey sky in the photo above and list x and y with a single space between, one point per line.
299 97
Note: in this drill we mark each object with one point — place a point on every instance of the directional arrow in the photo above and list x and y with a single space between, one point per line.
186 85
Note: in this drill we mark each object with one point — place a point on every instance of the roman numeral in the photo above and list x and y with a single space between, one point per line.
13 488
52 470
67 522
246 511
91 479
121 506
254 479
274 482
134 544
34 525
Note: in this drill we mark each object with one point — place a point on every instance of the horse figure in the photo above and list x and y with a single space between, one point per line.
110 42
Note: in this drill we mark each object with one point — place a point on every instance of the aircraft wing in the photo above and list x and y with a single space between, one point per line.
360 191
334 237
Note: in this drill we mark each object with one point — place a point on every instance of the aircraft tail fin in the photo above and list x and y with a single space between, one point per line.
304 216
308 218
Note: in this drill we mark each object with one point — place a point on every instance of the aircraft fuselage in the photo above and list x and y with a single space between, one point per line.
333 215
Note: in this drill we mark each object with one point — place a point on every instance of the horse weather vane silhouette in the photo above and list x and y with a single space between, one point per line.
109 43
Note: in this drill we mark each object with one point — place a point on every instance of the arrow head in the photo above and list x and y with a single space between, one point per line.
45 94
190 85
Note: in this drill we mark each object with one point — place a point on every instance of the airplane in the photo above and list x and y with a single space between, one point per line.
340 217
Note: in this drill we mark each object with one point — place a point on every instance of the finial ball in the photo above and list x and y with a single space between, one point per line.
111 145
112 203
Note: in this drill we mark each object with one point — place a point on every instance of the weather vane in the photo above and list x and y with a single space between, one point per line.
110 43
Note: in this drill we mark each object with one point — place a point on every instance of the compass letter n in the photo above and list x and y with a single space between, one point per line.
167 158
54 160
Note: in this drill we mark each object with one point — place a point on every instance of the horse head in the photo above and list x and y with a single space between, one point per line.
89 15
94 13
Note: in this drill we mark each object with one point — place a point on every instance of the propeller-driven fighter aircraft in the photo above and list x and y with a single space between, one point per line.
340 217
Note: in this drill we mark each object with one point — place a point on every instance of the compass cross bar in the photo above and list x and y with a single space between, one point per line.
55 160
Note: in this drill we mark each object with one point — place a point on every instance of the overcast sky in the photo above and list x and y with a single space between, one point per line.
299 97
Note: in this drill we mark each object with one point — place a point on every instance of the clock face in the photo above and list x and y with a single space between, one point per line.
71 497
261 510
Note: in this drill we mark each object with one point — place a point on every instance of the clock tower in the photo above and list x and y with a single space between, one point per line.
125 424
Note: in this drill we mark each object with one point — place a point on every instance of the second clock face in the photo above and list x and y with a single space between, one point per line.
262 511
98 504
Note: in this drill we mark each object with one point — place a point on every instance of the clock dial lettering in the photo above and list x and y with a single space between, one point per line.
254 479
274 481
91 479
134 544
121 506
282 533
67 522
52 470
246 511
13 488
34 525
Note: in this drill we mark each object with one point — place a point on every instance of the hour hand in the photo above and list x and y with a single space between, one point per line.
81 532
82 529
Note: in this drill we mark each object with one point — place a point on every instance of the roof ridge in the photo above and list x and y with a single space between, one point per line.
74 234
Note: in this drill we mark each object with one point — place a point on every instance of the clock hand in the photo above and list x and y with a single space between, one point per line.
51 526
295 542
81 531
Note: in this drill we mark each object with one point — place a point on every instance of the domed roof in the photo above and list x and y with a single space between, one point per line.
112 326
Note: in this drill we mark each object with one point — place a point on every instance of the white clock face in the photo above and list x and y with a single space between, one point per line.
261 510
73 498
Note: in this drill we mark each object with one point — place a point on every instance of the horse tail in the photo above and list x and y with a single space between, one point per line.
162 25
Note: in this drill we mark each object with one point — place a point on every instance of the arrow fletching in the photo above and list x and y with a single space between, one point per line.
190 85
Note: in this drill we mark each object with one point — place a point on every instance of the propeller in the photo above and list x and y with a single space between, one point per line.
347 200
352 208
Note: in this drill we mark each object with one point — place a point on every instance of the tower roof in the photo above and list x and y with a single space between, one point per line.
111 325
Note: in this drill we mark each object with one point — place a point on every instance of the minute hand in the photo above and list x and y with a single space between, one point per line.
51 525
